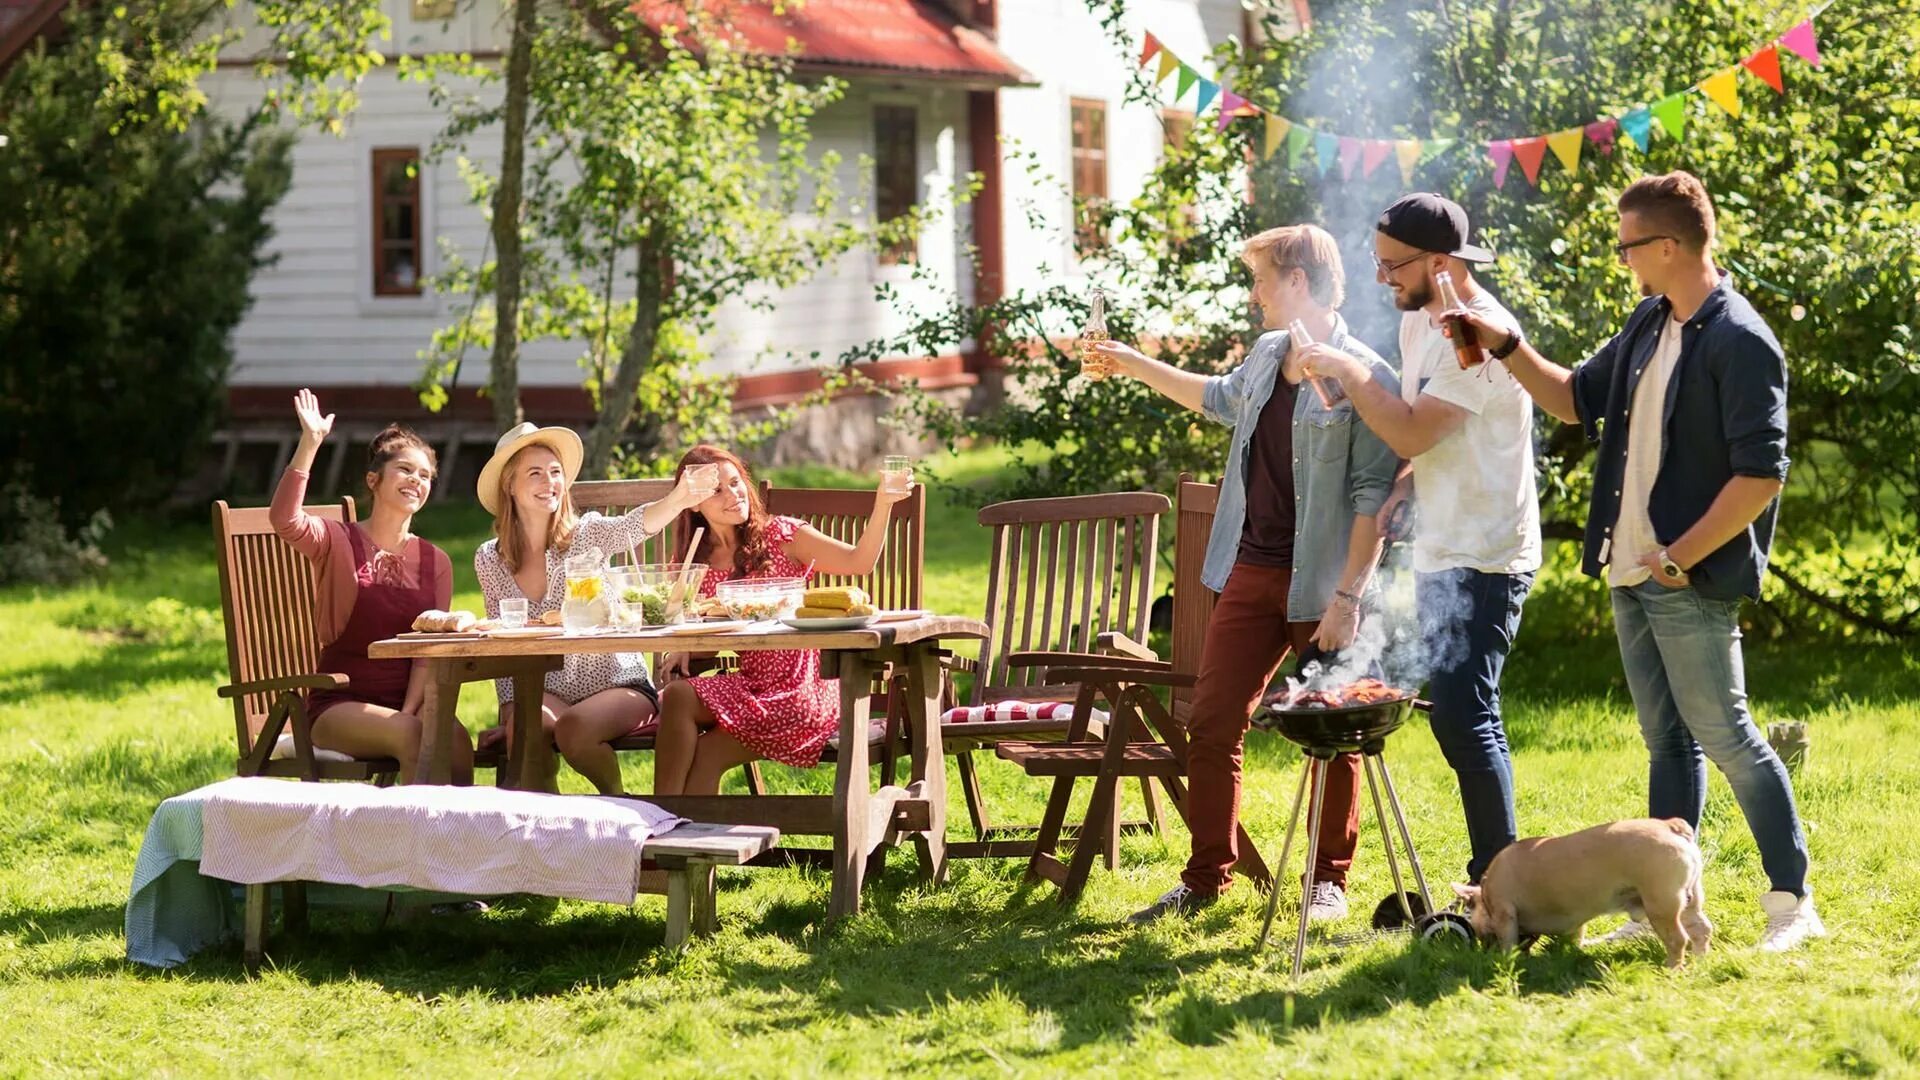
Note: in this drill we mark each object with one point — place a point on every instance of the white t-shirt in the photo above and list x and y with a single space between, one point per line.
1478 505
1633 535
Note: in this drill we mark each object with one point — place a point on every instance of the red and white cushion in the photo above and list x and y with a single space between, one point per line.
1006 711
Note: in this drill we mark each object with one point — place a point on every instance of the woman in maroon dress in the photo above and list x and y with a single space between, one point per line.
777 705
374 577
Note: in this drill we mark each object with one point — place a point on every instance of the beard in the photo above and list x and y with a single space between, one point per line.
1413 297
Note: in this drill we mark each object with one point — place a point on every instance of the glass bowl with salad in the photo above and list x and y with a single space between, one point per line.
642 595
760 599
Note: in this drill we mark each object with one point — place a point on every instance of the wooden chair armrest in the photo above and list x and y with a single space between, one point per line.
1113 641
1136 674
288 682
1080 659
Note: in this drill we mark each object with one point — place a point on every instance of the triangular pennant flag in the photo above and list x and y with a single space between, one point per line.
1723 89
1168 64
1801 40
1530 152
1146 52
1325 146
1377 151
1407 153
1350 150
1436 147
1601 134
1230 106
1765 66
1298 140
1566 146
1671 111
1501 151
1638 125
1187 76
1278 128
1208 88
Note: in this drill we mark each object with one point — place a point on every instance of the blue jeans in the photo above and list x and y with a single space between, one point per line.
1681 652
1468 620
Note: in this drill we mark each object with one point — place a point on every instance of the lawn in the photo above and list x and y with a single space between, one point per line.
107 707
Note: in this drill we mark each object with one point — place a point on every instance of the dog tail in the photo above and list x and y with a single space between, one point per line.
1679 827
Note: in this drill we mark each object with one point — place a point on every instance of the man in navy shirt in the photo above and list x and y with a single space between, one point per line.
1688 403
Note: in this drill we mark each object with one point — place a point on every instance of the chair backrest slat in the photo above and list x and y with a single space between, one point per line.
843 513
1043 591
267 598
1192 601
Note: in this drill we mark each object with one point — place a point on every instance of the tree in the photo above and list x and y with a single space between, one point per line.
665 174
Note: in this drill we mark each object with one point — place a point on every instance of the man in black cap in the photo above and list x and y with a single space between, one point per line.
1467 435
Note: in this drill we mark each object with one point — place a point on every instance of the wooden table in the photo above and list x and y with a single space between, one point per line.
859 819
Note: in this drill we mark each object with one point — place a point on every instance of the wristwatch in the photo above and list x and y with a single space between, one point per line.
1514 338
1669 567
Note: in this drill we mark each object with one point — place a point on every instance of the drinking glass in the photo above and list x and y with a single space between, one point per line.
513 613
896 474
703 480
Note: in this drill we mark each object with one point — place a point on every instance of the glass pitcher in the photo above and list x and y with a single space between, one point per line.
585 606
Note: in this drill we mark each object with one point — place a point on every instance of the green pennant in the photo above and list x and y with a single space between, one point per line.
1298 140
1187 76
1436 147
1671 111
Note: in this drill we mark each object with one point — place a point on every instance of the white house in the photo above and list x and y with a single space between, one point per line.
935 86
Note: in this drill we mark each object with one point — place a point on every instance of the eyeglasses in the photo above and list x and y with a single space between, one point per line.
1622 249
1388 268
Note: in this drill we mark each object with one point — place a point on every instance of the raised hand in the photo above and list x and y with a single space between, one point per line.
314 428
1121 358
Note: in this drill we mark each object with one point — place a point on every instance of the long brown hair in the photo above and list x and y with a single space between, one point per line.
756 548
506 523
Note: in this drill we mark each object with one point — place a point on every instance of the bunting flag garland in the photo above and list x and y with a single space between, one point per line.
1723 89
1566 146
1765 66
1364 155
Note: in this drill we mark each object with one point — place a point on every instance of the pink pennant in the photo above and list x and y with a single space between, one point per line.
1230 106
1377 152
1501 151
1350 151
1800 39
1601 134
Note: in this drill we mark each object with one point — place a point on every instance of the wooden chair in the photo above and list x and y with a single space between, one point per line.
1143 739
267 596
1067 578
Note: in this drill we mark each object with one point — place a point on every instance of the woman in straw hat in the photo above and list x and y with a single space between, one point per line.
527 485
374 577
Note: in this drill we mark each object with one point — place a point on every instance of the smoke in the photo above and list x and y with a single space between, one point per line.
1412 630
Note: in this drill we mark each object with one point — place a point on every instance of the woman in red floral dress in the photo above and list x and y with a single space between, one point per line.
776 706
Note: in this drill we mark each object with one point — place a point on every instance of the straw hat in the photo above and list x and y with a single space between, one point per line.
562 441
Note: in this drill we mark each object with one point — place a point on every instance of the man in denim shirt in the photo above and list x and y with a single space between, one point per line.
1292 552
1689 405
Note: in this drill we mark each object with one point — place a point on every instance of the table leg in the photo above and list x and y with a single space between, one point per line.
929 756
529 764
436 723
851 783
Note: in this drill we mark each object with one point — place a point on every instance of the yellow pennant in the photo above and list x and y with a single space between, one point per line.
1724 90
1168 64
1407 153
1566 146
1277 128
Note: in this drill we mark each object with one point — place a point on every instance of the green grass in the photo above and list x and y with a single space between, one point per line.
107 707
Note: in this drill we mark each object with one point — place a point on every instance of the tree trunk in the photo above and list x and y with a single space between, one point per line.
652 264
503 371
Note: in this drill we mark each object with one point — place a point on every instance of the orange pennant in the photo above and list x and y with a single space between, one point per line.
1530 152
1146 52
1765 66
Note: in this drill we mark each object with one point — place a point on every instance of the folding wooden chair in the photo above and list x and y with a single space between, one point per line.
1067 578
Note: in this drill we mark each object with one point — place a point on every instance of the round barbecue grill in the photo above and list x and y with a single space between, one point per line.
1324 733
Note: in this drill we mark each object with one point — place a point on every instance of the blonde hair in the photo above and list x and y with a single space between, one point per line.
1308 248
506 523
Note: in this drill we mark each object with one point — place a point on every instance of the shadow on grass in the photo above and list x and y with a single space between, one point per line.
114 672
47 924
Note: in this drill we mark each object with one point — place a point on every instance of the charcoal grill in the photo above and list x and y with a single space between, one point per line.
1324 733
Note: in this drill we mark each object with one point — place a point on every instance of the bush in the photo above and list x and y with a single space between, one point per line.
37 549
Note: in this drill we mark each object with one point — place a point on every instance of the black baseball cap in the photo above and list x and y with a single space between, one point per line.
1431 222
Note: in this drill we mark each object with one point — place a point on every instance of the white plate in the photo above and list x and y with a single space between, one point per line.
725 627
845 622
528 632
904 615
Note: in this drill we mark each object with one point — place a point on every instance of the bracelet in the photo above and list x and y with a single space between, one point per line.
1514 338
1342 594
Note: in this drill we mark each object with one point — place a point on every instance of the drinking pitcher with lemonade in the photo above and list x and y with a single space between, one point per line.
586 604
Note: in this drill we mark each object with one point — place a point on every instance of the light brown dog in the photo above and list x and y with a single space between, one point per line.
1555 885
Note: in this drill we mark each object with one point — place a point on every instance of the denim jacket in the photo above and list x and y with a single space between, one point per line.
1340 468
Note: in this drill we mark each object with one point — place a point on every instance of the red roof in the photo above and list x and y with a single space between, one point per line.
905 37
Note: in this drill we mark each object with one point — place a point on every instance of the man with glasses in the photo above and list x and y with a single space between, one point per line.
1689 405
1468 436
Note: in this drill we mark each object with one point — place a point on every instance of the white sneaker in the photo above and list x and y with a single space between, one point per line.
1631 930
1327 904
1790 921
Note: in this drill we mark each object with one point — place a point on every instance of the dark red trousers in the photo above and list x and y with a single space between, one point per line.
1247 639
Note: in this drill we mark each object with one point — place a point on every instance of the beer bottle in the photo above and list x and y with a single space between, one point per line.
1093 366
1466 342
